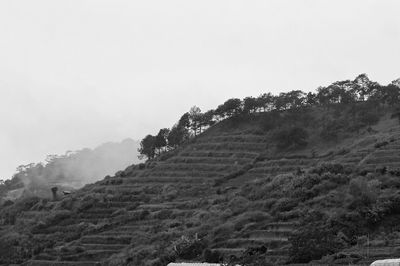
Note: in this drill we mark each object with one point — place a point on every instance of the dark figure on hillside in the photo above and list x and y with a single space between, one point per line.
54 192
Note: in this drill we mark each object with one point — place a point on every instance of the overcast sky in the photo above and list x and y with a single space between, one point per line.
75 74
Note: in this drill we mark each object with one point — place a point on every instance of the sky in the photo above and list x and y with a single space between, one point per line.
78 73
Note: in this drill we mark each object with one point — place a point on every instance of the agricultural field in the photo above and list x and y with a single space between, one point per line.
230 194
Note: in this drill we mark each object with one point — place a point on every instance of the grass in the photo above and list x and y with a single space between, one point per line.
144 209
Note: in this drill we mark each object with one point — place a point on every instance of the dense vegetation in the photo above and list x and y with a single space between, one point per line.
347 92
315 178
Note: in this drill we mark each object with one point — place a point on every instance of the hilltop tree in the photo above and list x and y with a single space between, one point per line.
291 99
195 118
177 136
230 107
323 95
265 101
147 147
161 139
250 105
295 98
207 119
184 121
391 94
361 87
280 102
311 99
349 92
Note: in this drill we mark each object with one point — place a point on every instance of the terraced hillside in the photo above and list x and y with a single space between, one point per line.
227 189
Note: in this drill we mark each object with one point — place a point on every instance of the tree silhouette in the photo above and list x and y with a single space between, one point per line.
265 102
207 119
147 147
177 136
195 118
350 92
250 105
161 139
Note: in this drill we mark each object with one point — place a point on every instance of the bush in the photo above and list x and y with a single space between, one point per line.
252 256
364 193
211 256
315 239
381 144
329 168
189 248
295 137
238 204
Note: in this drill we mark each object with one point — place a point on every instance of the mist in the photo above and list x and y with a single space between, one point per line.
71 170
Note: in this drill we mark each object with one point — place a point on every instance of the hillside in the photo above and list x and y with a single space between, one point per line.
316 183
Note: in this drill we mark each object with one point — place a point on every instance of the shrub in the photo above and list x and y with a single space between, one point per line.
163 214
252 256
364 193
295 137
189 248
284 204
222 232
212 256
238 204
333 168
315 239
381 144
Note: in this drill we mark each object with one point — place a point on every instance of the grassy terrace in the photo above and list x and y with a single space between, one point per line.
138 215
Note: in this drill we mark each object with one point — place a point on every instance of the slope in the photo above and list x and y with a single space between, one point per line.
230 189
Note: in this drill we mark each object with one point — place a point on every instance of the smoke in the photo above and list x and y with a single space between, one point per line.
72 170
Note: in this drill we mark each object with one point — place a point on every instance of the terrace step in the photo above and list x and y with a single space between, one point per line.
249 242
89 255
166 180
281 226
102 246
104 239
61 263
220 154
209 160
199 173
226 252
232 138
270 234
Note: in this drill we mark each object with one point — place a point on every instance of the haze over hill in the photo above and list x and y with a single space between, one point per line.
71 170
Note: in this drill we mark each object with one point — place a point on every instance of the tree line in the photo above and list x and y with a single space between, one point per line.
194 122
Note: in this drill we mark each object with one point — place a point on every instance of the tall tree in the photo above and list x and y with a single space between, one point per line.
184 121
265 101
195 117
177 136
161 139
207 119
311 99
250 105
295 98
147 147
232 107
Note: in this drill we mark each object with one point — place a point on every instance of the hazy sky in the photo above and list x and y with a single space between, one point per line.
74 74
